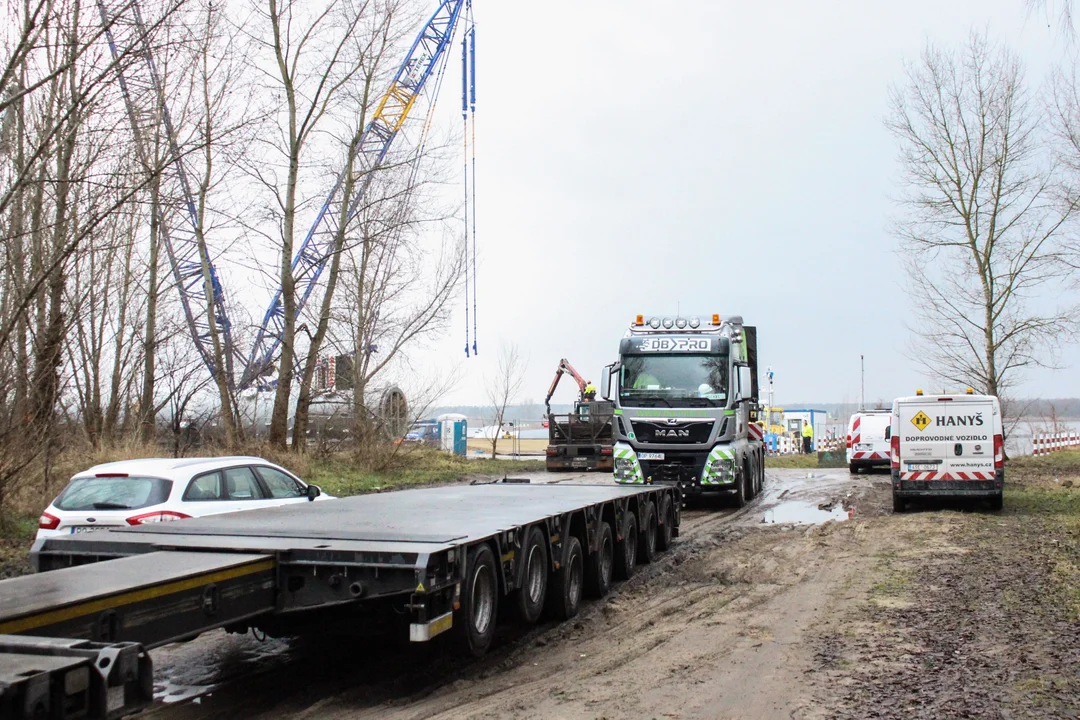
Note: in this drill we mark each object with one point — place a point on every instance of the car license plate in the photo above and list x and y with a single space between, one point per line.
650 456
84 529
914 467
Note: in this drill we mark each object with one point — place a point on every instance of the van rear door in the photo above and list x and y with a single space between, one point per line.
947 438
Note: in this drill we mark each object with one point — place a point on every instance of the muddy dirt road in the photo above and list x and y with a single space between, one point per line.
717 627
813 602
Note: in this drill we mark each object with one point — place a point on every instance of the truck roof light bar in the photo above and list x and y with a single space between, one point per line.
695 323
716 319
639 320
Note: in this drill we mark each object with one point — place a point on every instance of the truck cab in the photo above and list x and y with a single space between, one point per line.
685 393
947 446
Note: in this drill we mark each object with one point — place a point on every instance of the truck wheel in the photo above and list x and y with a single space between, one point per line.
997 502
529 598
599 567
647 536
475 622
667 515
566 582
742 492
761 473
898 504
626 549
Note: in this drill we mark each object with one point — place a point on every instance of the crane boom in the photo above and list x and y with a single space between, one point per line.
316 249
564 368
178 219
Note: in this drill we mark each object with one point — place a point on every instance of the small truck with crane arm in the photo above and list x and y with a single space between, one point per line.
685 391
582 439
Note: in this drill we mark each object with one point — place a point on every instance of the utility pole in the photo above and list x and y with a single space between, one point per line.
862 390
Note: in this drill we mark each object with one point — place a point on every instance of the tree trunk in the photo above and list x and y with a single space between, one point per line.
147 402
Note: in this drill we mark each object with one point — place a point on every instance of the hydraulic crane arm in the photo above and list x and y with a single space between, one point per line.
564 367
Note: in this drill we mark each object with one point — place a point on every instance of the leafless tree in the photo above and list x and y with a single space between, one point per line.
981 222
1059 11
503 389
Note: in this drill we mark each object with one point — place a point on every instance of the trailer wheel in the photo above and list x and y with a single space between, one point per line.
475 623
647 536
600 565
567 582
667 516
529 598
626 549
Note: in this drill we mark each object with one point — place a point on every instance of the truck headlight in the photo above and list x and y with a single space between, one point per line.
624 468
721 466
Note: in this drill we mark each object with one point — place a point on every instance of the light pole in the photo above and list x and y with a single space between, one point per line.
862 386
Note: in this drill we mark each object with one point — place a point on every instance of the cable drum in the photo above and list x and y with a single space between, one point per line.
393 411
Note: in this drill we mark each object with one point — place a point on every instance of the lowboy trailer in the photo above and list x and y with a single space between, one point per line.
443 557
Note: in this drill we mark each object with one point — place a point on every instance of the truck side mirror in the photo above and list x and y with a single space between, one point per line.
605 380
745 383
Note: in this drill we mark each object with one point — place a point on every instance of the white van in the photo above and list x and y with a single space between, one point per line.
947 446
868 439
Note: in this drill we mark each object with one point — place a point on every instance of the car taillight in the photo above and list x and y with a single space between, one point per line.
894 452
48 522
999 452
849 441
606 450
156 517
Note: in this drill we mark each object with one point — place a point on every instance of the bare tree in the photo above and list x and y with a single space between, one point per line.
504 387
981 223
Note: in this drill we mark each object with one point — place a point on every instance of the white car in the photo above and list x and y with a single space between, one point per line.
139 492
868 440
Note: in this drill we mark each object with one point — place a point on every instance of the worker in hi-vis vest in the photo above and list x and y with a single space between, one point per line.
807 436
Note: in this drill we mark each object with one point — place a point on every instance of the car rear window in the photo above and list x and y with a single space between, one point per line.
113 493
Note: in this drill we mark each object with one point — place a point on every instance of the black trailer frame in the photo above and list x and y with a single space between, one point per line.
268 568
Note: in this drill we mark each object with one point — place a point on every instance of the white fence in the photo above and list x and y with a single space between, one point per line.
1044 443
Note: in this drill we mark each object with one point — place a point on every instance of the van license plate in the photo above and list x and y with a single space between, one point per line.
650 456
921 466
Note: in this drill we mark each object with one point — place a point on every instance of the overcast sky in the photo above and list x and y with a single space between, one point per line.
713 156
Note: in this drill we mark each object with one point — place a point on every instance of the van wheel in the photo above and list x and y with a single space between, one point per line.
853 468
475 621
626 549
529 598
898 504
601 563
997 502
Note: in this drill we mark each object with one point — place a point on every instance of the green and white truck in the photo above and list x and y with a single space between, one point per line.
686 399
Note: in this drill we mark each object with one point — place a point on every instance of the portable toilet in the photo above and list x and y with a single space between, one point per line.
453 433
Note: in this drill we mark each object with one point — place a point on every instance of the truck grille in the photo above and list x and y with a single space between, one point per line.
684 468
694 432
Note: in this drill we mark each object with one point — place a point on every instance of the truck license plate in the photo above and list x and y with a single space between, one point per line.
914 467
650 456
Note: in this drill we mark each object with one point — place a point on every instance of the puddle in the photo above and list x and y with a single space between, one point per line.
804 513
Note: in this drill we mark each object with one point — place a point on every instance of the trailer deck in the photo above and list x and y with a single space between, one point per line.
440 556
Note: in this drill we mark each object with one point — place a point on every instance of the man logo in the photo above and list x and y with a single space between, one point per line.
673 432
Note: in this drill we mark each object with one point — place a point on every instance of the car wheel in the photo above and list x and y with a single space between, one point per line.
567 582
600 566
529 598
626 549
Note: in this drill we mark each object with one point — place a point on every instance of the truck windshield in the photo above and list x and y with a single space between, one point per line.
673 380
